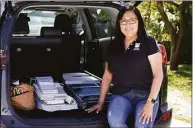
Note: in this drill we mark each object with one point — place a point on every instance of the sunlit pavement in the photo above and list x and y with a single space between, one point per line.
178 123
175 99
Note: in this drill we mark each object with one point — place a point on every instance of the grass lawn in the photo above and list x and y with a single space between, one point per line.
181 80
180 88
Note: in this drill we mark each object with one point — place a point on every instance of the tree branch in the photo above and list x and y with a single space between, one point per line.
168 24
173 3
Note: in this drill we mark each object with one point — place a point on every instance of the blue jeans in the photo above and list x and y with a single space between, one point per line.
121 106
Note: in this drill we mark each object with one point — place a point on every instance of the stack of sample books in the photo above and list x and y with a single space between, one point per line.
51 95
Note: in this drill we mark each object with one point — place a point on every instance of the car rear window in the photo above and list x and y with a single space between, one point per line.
39 19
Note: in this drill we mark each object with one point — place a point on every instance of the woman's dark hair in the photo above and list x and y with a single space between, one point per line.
117 46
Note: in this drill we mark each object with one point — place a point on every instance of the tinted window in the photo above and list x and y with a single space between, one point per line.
77 23
102 23
39 19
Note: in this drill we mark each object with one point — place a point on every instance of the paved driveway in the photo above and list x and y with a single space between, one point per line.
178 123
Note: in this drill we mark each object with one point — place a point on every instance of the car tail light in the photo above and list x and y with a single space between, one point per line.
164 54
166 115
3 59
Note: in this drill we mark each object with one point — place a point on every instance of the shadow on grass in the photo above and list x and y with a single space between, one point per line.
184 71
184 74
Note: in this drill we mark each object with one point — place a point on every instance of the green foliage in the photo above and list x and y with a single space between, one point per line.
157 28
99 15
184 119
173 15
153 21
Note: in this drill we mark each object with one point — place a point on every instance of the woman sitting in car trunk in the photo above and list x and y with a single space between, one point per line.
134 66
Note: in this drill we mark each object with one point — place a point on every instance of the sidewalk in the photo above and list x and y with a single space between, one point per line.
181 107
177 123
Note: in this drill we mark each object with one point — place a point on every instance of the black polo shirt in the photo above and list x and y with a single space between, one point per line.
132 68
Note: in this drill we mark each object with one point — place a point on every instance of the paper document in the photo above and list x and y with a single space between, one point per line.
50 96
44 79
46 85
54 107
54 101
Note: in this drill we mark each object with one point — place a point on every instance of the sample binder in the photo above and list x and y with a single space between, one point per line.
84 88
78 78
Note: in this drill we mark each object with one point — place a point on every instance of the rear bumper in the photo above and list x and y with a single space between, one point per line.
165 117
12 121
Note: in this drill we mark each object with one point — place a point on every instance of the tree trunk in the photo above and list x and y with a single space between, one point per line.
173 61
173 34
186 32
176 38
174 53
183 28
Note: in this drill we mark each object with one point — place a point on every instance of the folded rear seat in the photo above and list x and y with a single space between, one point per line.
71 44
18 59
50 54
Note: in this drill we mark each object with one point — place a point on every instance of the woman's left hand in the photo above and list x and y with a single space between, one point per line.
146 113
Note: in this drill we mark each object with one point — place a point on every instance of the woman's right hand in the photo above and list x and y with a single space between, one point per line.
97 108
106 80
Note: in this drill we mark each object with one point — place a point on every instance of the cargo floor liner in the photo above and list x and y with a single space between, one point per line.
37 113
64 117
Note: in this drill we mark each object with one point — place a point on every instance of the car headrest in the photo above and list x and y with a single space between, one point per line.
50 31
64 22
21 24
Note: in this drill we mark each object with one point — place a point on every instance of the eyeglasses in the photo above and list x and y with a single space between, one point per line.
131 21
